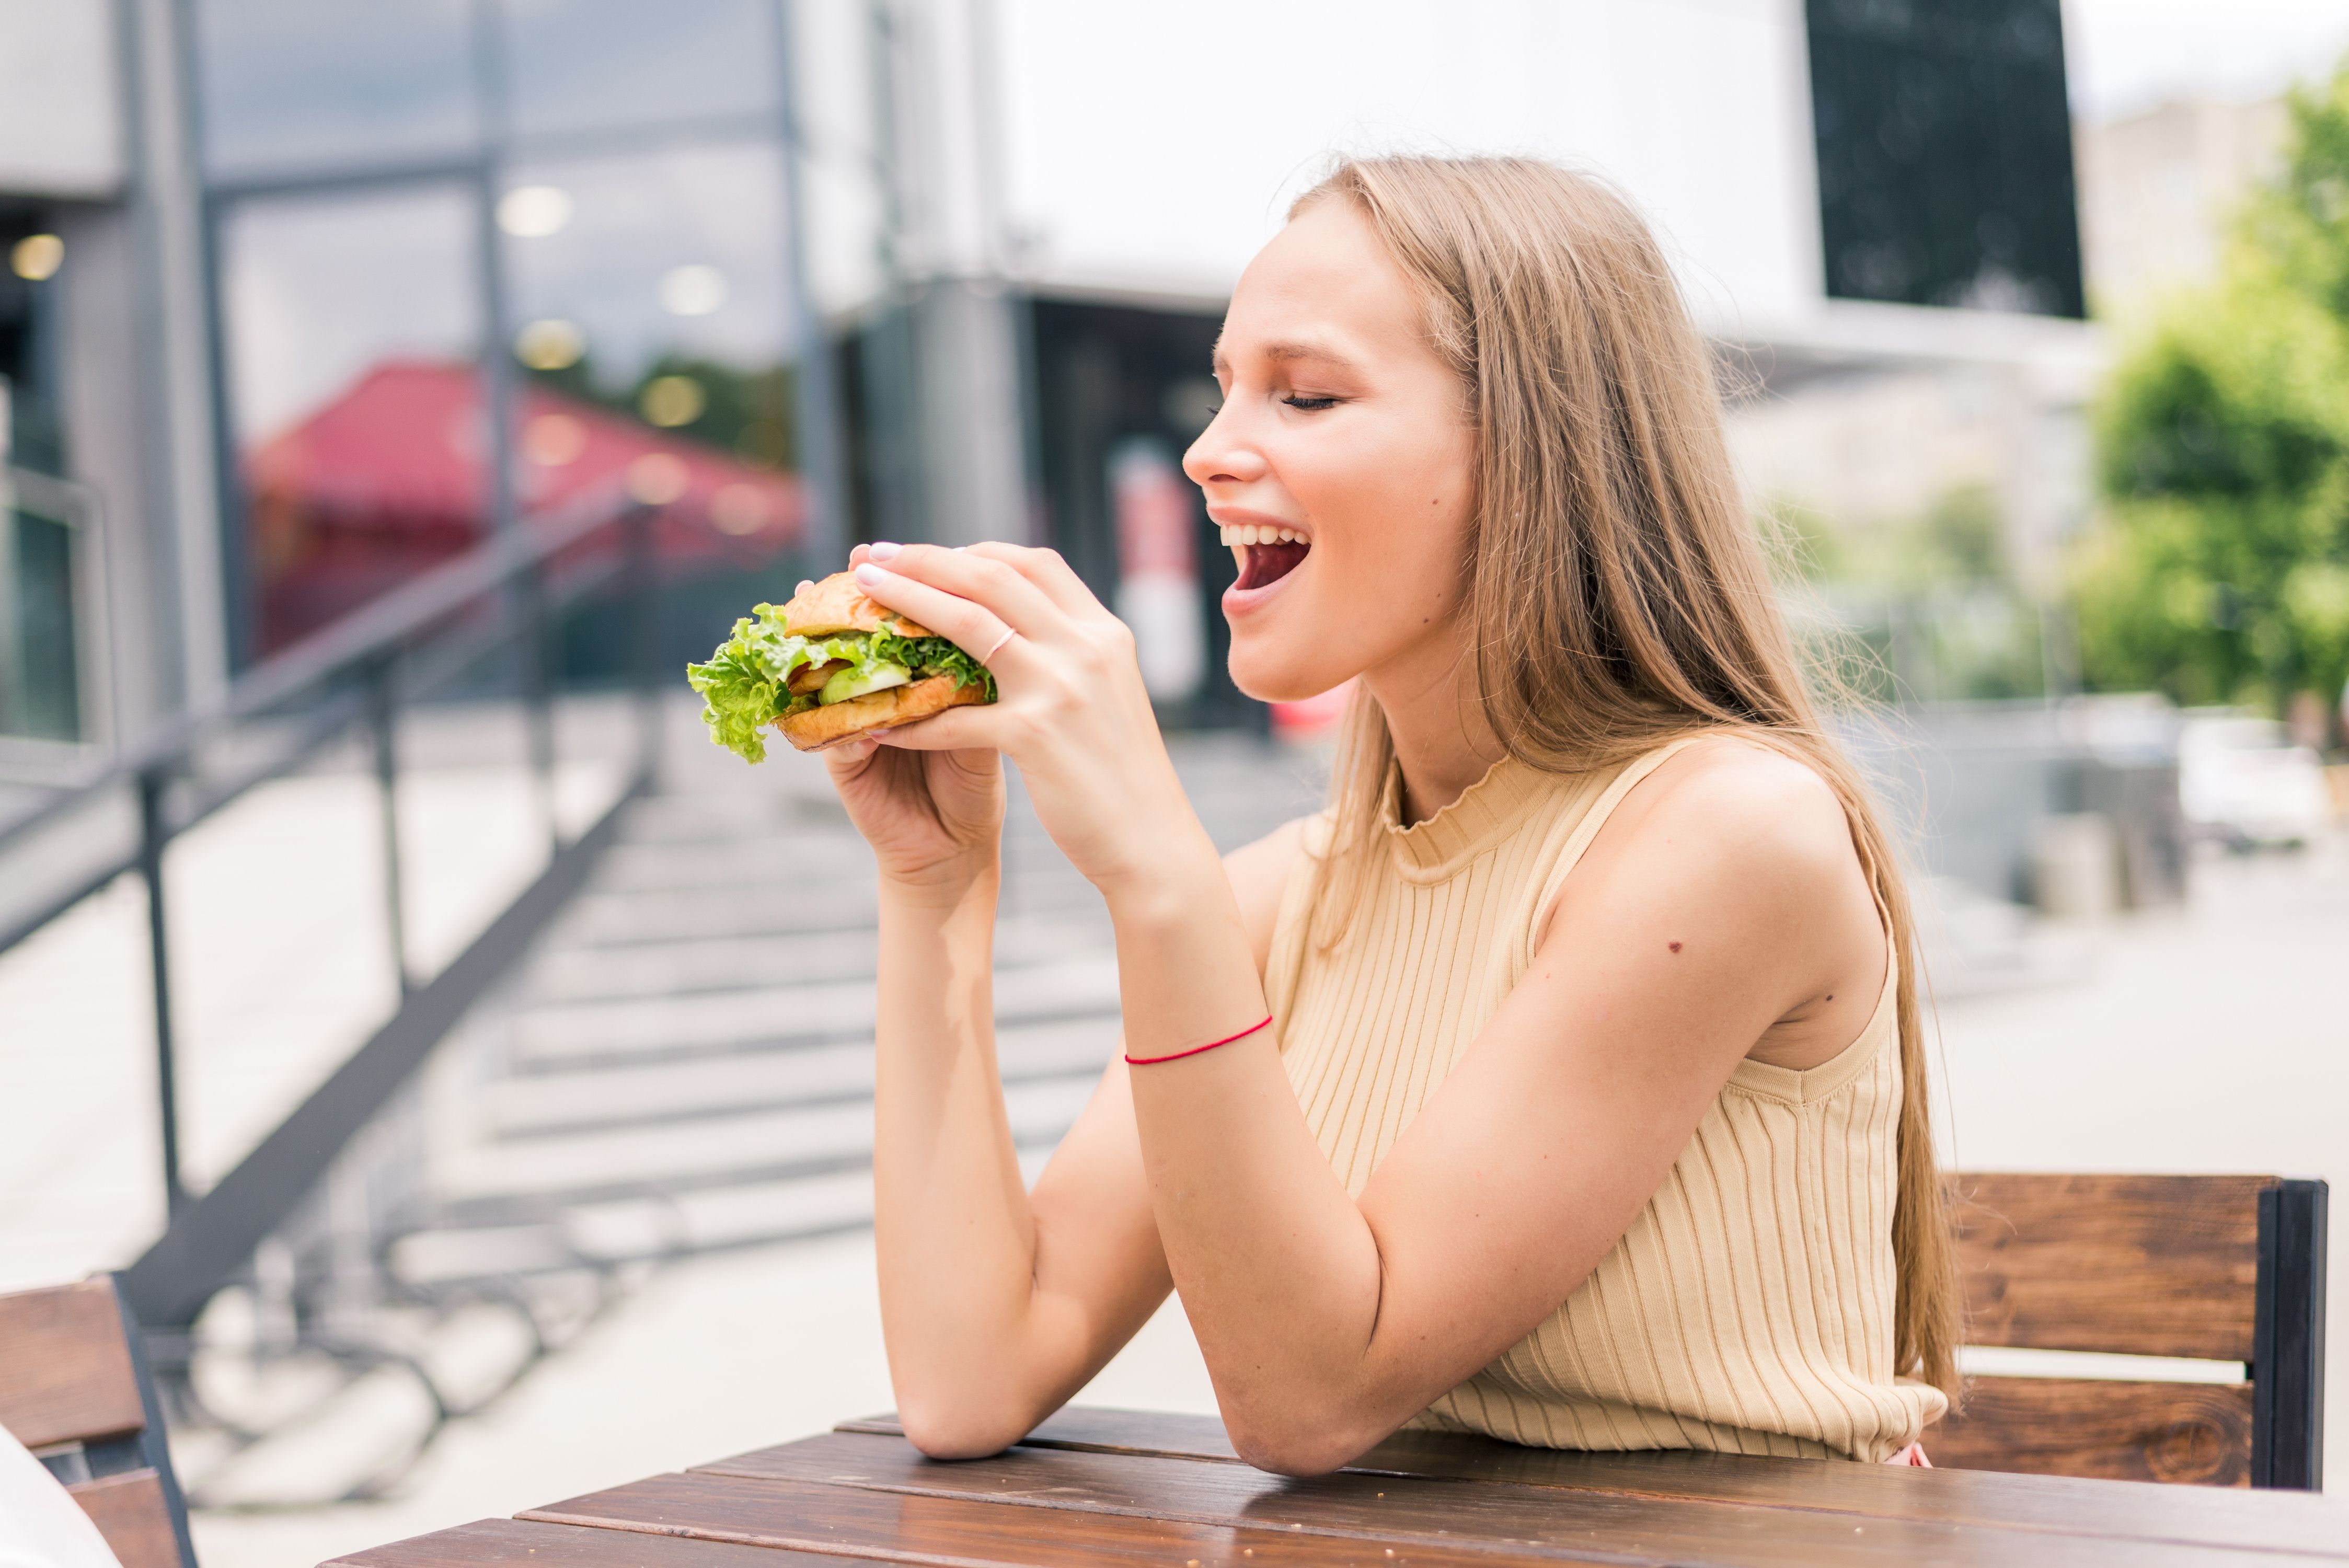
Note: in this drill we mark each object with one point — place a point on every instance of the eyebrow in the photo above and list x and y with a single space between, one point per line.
1286 351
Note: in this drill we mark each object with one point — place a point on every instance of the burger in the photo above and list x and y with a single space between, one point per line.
829 665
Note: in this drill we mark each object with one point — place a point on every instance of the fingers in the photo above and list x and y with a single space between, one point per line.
956 729
970 626
844 760
968 574
1047 569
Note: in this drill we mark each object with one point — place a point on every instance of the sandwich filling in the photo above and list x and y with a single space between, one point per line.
763 673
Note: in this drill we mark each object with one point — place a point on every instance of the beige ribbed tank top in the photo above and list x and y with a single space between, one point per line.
1749 1307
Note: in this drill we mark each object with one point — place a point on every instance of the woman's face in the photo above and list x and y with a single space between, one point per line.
1340 468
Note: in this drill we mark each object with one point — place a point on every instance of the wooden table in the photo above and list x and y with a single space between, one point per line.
1108 1487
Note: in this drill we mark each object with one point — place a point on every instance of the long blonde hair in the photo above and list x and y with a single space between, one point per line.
1618 593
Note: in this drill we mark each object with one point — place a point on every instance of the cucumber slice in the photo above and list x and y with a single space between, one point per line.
854 682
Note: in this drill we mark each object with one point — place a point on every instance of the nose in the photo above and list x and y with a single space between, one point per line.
1223 454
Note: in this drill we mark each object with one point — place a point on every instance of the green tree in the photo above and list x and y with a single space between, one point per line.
2222 570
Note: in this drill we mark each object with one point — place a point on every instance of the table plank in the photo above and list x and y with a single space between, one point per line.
911 1527
2265 1521
1410 1513
523 1544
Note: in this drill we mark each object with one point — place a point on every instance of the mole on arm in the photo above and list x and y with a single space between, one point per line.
1675 947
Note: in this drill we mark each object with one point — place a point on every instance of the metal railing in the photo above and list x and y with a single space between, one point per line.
351 678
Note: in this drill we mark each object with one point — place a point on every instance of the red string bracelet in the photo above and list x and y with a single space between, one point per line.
1194 1050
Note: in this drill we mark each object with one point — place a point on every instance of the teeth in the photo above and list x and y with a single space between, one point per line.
1257 533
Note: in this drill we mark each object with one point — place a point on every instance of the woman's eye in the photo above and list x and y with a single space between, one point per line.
1311 405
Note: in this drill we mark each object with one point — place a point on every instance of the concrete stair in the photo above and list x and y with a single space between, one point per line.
687 1062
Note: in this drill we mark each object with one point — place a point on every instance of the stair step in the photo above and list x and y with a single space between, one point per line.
607 1096
514 1182
775 1016
673 967
616 919
688 1058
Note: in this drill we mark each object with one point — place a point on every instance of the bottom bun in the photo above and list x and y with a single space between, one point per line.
820 726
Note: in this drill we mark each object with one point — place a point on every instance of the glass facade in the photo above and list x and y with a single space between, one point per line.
590 66
309 85
576 205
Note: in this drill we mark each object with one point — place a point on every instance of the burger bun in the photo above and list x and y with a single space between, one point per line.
818 727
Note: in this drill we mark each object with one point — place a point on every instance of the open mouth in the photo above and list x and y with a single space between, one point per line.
1267 554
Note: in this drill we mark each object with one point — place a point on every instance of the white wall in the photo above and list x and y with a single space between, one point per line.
1154 147
60 117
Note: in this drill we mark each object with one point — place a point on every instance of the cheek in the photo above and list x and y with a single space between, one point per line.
1395 505
1391 510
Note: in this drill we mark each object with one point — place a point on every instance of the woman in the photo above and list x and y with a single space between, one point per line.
1590 1108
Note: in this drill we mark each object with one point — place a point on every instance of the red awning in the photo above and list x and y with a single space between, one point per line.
403 453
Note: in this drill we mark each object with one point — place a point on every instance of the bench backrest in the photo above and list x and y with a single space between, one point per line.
74 1389
2214 1268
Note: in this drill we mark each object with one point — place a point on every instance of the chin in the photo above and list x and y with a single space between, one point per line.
1271 672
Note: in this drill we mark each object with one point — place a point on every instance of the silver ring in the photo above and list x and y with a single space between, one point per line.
989 658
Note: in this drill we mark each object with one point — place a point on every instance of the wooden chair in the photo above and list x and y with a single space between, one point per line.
76 1390
2223 1268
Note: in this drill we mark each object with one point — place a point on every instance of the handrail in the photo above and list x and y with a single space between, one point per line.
381 626
354 669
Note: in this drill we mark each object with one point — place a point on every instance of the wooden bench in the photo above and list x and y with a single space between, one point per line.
76 1390
2218 1268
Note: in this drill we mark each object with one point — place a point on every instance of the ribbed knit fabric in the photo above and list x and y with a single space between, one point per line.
1749 1307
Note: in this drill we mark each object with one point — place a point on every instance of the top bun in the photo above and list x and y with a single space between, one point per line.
838 604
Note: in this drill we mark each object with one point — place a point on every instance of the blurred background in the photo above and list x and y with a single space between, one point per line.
471 1067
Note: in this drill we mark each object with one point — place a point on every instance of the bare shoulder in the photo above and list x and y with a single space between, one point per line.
1259 873
1733 819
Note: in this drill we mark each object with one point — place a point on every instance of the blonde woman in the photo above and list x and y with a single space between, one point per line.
1562 1080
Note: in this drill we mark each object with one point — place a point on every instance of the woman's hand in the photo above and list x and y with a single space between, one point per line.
933 816
1071 709
930 816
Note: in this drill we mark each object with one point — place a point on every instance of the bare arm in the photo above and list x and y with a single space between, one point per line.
998 1304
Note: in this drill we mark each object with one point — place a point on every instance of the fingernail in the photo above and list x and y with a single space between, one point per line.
885 551
869 574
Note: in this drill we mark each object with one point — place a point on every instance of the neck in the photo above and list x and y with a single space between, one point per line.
1442 743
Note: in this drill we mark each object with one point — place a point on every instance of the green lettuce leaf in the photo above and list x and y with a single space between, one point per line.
933 657
741 686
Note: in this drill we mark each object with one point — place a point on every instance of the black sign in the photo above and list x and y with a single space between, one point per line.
1944 141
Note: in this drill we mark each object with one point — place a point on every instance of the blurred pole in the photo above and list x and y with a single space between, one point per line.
153 836
382 722
196 624
643 639
497 367
939 141
825 531
500 394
